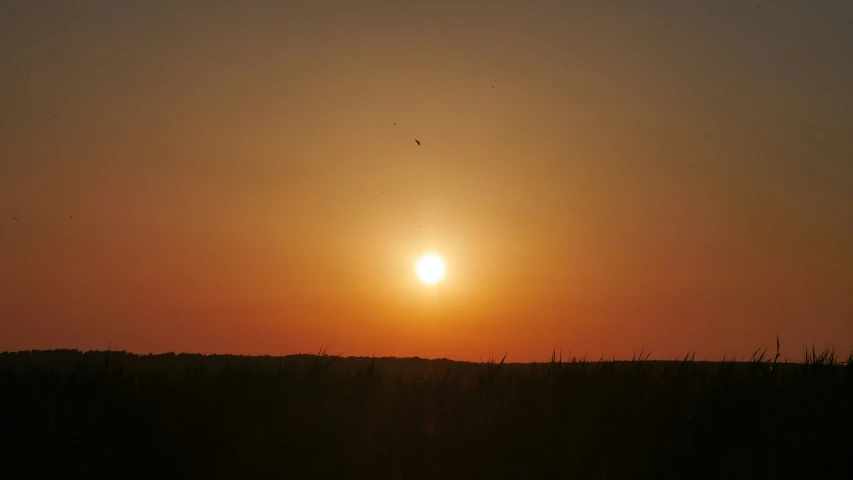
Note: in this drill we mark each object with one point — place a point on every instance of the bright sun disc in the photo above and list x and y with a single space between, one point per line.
430 268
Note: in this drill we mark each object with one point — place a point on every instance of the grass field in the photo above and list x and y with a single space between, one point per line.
114 414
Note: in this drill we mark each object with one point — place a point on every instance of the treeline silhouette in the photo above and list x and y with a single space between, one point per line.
115 414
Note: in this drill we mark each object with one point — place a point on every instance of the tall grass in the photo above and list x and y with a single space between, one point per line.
325 416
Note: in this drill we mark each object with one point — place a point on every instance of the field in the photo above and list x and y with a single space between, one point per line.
114 414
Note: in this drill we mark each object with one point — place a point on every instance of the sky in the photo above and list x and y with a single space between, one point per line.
601 177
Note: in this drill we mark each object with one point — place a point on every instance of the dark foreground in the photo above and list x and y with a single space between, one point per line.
64 414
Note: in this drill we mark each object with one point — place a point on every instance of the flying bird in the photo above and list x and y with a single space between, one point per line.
417 141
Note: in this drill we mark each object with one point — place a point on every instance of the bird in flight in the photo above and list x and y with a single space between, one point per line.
417 141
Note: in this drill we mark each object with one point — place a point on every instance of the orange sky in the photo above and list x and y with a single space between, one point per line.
601 176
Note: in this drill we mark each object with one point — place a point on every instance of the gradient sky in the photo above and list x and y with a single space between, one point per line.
599 176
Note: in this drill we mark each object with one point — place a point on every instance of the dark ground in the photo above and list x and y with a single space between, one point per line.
113 414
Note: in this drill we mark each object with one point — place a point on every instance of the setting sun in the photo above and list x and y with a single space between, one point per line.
430 268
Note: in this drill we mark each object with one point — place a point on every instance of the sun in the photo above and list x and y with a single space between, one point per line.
430 268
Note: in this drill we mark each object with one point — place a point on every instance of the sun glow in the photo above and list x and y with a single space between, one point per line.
430 268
